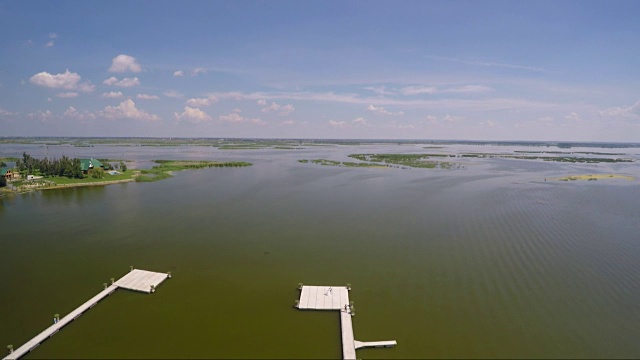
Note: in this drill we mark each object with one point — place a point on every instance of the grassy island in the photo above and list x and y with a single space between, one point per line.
406 160
594 177
166 167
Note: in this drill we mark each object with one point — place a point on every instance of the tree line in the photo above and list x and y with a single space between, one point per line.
65 166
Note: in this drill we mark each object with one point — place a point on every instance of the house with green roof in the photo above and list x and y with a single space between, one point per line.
86 165
6 173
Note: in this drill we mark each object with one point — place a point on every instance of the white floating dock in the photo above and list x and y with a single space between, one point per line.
337 298
138 280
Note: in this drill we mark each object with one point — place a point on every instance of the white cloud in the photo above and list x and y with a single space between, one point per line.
235 118
112 95
430 119
67 95
469 89
72 113
50 43
382 111
236 110
126 82
282 110
110 81
379 90
417 90
193 115
147 97
124 63
287 123
545 119
336 124
632 111
488 123
452 118
287 109
197 71
66 80
4 112
173 94
40 115
261 102
573 117
199 102
127 110
178 73
360 121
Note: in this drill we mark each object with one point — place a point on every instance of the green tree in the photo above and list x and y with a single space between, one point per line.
97 173
3 164
123 166
3 181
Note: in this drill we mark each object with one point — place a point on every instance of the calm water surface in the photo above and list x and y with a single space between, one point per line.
485 261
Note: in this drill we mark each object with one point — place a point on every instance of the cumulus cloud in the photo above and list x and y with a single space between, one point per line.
417 90
124 63
430 119
632 111
178 73
128 110
274 107
199 102
452 118
126 82
43 116
573 117
73 113
193 115
147 97
112 95
287 123
337 124
67 80
4 112
198 71
382 111
67 95
173 94
236 118
360 121
261 102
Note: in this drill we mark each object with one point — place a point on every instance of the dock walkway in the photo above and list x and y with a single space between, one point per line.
137 280
337 298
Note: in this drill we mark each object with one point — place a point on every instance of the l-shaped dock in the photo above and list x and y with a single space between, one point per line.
337 298
137 280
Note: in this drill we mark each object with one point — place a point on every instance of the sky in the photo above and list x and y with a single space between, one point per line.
455 70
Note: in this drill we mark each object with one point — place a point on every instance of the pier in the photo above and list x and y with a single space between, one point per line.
136 280
337 298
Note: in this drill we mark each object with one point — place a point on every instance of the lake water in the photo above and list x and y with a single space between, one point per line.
486 261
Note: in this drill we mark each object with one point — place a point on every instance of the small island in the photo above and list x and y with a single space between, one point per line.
30 173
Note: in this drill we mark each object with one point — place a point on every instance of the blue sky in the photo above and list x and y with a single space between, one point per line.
481 70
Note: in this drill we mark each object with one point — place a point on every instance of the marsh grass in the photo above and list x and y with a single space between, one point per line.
166 167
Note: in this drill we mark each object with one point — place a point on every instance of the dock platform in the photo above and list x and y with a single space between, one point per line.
337 298
137 280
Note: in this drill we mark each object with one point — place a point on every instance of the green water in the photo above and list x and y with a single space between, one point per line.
490 261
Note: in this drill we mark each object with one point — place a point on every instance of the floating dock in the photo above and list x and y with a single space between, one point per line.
137 280
337 298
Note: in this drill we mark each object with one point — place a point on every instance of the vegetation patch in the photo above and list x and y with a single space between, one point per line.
326 162
408 160
594 177
166 167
